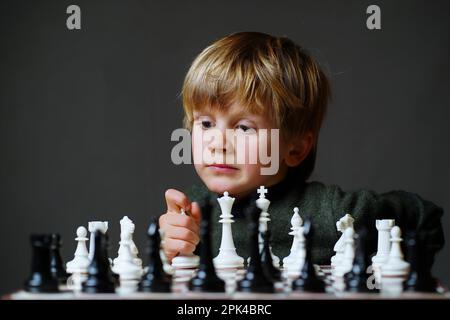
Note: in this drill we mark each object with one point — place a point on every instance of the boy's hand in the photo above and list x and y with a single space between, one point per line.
181 232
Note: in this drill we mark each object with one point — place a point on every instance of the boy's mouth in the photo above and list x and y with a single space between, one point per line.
222 168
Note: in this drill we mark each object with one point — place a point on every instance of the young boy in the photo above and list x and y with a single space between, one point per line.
247 82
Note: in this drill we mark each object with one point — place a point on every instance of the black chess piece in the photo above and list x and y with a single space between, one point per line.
56 262
419 278
308 281
270 270
358 279
155 279
41 278
255 279
100 279
206 279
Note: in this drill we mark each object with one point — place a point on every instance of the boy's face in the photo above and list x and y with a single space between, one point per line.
217 152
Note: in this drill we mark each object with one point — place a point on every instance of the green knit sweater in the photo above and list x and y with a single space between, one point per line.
326 205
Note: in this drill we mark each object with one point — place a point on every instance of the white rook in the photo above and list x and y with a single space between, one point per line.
384 242
94 226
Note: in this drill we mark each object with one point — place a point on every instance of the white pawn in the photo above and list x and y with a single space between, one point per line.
129 273
78 267
94 226
349 254
263 204
341 225
396 269
395 266
227 258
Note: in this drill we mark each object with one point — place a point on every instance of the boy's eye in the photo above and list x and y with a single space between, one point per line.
206 124
244 128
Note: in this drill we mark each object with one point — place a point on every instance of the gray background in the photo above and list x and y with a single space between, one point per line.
86 116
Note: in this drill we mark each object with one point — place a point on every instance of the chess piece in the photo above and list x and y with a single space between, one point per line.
296 222
155 279
125 266
308 280
79 265
349 254
41 278
395 266
206 279
127 230
263 204
357 280
293 263
395 270
227 258
56 262
100 279
343 223
127 249
255 279
92 227
419 278
384 244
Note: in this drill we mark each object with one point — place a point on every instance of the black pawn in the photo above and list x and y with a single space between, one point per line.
100 279
155 279
255 279
206 279
357 279
419 278
308 280
56 262
266 259
41 279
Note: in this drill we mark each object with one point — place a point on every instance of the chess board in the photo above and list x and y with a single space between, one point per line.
283 291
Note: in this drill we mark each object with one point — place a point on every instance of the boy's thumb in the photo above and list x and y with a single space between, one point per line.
196 212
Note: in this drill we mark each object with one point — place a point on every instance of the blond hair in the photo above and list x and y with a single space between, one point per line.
267 75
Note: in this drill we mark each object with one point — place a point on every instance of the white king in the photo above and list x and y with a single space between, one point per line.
227 258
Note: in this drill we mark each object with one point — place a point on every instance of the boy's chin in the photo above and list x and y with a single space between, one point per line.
219 186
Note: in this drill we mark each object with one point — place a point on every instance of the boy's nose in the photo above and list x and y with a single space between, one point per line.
219 142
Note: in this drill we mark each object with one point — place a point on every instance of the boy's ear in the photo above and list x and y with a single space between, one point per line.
298 149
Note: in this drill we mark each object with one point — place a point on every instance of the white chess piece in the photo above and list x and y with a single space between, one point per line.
94 226
383 247
395 266
190 261
227 258
341 225
263 204
349 254
395 270
296 223
129 273
293 263
126 232
78 267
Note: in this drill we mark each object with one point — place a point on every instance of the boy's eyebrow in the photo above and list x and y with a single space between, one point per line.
233 115
245 114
